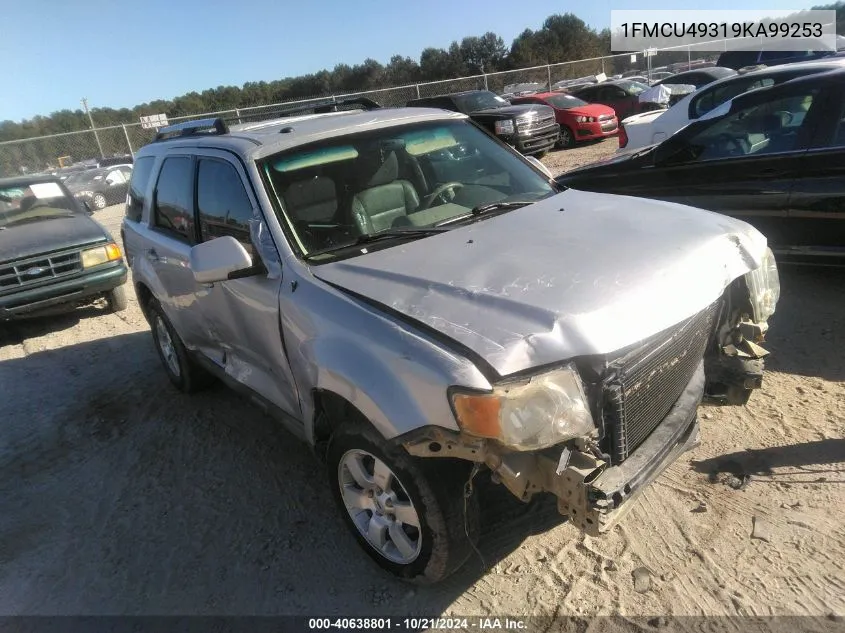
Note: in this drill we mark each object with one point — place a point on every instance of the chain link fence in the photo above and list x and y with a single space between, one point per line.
48 153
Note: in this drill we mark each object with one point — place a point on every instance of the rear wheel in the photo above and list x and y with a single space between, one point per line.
183 372
412 521
99 201
567 138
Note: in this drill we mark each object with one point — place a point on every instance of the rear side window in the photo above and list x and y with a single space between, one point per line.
222 203
174 198
138 187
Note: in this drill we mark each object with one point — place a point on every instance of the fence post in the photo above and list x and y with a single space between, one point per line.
128 142
238 114
485 82
549 73
418 91
689 57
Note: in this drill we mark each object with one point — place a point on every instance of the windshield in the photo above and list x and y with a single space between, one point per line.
565 102
481 100
84 177
631 87
32 201
333 195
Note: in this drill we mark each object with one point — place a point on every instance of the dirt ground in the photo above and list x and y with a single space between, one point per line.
118 495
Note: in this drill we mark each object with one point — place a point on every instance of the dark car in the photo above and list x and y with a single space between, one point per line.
53 255
622 95
774 157
100 187
699 77
531 129
741 59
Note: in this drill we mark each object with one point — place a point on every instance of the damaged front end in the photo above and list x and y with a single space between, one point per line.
597 430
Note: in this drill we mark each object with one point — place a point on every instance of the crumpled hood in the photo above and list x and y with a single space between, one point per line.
579 273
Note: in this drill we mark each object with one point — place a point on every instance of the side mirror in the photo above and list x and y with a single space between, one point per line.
536 162
218 259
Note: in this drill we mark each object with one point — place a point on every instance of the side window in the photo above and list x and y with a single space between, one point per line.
115 177
837 139
718 96
774 126
223 207
173 198
138 186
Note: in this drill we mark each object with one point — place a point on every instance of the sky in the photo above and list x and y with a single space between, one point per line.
120 54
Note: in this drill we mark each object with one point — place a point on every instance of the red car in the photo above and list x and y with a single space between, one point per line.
622 95
579 120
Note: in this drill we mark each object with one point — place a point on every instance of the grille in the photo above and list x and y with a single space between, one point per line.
643 385
535 123
34 271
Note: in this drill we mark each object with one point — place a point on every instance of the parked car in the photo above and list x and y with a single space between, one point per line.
530 129
340 273
578 120
102 186
661 75
774 157
741 59
698 77
621 95
654 127
53 255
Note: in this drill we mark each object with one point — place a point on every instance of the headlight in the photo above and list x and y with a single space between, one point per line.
84 194
585 119
503 127
100 255
764 287
549 409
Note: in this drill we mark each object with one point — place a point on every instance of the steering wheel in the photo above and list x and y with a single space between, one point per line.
439 191
726 142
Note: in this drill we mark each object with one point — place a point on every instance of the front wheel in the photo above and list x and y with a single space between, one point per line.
409 514
567 138
117 299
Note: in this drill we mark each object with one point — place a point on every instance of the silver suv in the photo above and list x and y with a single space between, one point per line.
418 302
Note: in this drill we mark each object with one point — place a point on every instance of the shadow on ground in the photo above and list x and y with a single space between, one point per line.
120 495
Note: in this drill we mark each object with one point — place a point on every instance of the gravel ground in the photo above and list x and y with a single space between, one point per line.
118 495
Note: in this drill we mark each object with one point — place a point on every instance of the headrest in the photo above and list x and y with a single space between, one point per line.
375 175
312 191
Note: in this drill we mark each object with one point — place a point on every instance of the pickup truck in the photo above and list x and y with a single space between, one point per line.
419 303
531 129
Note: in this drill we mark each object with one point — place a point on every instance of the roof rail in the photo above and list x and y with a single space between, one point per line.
197 127
316 107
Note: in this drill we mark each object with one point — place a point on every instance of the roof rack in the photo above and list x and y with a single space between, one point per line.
197 127
315 107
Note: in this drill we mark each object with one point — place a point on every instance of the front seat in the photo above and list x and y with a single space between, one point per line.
385 198
312 200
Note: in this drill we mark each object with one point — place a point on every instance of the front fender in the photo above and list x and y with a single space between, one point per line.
395 376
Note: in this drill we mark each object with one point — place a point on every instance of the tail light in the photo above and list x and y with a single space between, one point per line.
623 135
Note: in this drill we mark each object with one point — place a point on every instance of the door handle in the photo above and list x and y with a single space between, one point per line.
154 257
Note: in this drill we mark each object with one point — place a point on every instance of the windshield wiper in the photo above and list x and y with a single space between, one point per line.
481 209
420 231
368 238
36 218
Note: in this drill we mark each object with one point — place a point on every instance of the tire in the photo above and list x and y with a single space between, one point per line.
183 372
567 138
541 155
431 489
117 299
99 201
